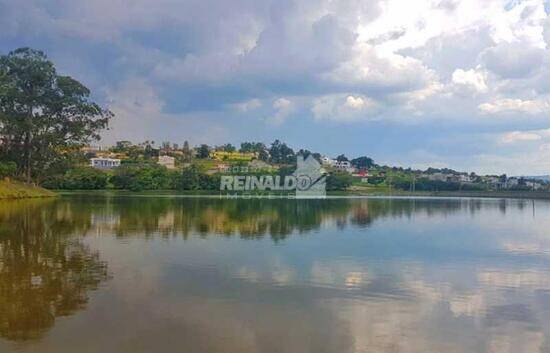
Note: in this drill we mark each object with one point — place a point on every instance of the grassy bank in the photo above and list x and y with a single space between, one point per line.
10 189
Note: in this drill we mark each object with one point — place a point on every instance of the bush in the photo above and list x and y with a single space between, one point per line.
7 169
192 179
137 177
84 178
339 181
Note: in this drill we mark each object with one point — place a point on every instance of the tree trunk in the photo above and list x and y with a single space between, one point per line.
28 147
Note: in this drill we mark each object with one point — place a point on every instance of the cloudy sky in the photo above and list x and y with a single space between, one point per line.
456 83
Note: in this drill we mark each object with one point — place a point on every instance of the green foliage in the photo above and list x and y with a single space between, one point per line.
251 147
193 179
17 190
363 162
190 178
342 158
84 178
339 181
255 147
281 154
7 169
43 116
228 148
376 180
137 177
203 151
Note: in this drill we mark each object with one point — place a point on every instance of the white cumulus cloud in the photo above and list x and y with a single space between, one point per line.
515 105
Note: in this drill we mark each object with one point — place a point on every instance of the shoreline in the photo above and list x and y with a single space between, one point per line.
15 190
527 195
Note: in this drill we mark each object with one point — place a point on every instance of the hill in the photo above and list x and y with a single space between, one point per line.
540 177
10 189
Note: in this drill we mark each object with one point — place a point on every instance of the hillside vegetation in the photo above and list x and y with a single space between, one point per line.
10 189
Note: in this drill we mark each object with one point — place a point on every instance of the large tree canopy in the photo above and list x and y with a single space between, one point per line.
43 116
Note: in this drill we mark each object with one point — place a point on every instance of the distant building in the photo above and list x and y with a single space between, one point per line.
344 166
167 161
90 149
533 184
439 177
512 183
327 160
464 178
363 173
104 163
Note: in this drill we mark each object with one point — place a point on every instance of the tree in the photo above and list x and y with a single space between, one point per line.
342 158
339 181
81 178
228 148
255 147
187 153
190 178
362 162
147 176
282 154
203 151
248 147
121 146
43 116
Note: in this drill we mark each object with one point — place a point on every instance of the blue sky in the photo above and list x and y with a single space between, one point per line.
443 83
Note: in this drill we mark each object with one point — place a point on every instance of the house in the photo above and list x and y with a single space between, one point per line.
533 184
327 161
512 183
439 177
90 150
464 178
167 161
104 163
343 166
363 173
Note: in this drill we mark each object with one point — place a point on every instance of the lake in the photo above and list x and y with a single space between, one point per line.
122 273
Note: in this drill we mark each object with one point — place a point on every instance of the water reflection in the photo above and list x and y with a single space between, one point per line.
218 275
43 273
256 218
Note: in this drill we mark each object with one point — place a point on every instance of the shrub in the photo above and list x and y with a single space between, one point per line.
83 178
7 169
339 181
137 177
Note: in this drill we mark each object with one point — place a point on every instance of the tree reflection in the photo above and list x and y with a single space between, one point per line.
249 218
44 273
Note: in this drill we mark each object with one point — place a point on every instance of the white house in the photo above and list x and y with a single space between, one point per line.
533 184
512 182
464 178
439 177
327 160
104 163
344 166
167 161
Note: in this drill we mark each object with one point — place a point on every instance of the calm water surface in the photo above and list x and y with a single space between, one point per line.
159 274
